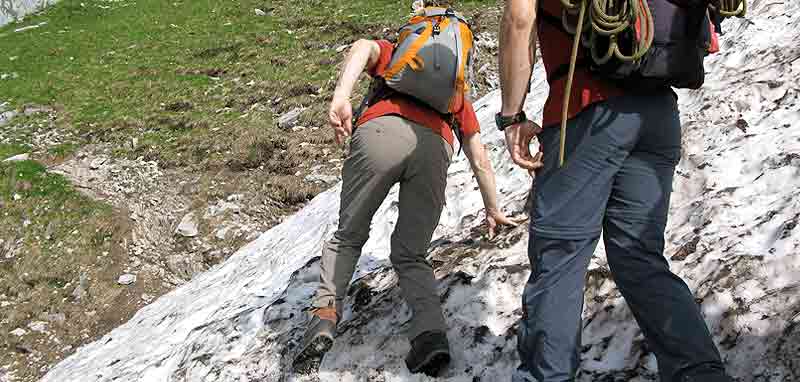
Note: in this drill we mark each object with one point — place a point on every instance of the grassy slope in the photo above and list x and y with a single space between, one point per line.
177 73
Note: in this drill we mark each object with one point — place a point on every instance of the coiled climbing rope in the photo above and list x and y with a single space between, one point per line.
609 18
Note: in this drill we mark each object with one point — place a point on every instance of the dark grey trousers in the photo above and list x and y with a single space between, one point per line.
383 152
617 179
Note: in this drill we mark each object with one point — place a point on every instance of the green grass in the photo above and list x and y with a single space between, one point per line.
116 71
52 226
51 234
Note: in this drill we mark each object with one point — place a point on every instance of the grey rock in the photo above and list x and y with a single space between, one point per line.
83 286
185 266
6 117
188 226
18 158
322 178
288 119
36 109
222 233
260 12
97 163
19 332
38 326
58 318
29 27
15 10
126 279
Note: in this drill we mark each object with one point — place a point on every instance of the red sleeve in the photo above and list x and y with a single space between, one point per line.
468 120
384 58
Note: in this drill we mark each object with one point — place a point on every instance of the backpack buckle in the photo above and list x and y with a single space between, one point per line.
437 29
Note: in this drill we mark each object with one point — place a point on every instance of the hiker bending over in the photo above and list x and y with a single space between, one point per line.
404 139
623 141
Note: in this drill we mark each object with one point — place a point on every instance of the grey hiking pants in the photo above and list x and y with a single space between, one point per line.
385 151
617 180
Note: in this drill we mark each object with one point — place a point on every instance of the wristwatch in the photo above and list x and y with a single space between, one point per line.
506 121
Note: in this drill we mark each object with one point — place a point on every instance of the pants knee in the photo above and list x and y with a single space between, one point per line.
351 239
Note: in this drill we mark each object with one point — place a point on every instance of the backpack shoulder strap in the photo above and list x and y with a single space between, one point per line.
452 121
377 91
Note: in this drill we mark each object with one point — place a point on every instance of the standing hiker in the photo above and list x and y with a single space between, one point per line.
405 136
621 146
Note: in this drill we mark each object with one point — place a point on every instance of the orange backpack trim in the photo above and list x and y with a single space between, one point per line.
461 85
411 52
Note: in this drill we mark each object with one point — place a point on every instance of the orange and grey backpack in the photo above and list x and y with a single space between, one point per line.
430 62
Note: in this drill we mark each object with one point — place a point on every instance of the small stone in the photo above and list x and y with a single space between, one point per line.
6 117
341 48
126 279
36 109
321 178
19 332
188 226
222 233
58 318
288 119
80 290
742 125
18 158
298 128
97 163
17 197
260 12
38 326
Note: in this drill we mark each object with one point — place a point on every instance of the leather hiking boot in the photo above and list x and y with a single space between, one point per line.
707 374
707 378
317 339
430 353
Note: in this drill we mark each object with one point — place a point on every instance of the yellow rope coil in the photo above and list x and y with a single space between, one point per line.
609 18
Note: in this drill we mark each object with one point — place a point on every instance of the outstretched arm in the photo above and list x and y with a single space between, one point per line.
362 55
482 168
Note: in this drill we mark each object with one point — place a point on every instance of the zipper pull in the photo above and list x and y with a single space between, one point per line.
437 28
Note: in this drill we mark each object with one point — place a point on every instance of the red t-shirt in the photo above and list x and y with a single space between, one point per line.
556 47
413 111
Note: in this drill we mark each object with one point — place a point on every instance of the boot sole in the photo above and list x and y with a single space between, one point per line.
433 364
315 349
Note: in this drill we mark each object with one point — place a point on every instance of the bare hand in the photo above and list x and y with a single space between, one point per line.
495 218
340 117
518 140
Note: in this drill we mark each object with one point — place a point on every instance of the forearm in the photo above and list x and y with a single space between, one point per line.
517 50
361 56
486 183
482 168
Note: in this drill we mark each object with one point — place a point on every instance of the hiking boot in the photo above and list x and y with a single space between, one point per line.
707 378
710 374
430 353
318 337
